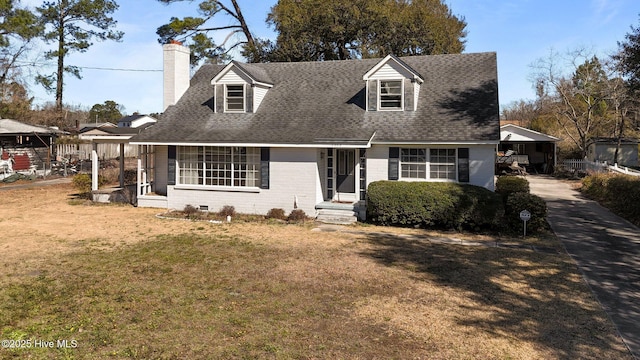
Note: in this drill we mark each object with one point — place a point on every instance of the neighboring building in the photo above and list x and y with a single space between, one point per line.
302 135
32 147
603 149
87 126
539 150
136 121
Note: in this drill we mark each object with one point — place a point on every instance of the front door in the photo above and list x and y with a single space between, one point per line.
346 166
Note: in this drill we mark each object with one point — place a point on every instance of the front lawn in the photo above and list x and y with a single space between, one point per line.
196 290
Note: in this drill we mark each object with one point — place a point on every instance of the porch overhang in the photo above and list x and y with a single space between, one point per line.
338 143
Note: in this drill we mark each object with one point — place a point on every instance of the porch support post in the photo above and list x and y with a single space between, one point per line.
121 165
94 166
139 175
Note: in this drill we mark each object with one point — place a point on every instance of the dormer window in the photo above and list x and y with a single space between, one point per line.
234 98
392 85
390 95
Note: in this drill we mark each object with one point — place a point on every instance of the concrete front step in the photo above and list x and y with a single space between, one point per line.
336 212
334 216
338 220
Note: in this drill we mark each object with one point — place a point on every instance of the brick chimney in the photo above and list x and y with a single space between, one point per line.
176 72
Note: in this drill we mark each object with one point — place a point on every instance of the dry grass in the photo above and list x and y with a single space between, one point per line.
125 284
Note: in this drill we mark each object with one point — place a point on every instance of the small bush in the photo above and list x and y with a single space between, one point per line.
506 185
276 213
227 210
622 194
82 182
191 211
430 204
516 202
596 186
297 215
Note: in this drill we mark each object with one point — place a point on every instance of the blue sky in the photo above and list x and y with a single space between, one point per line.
519 31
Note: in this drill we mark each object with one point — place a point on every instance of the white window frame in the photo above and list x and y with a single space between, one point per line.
232 167
401 108
226 98
454 163
414 163
428 164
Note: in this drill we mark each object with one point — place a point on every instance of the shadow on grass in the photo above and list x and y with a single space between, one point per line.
536 298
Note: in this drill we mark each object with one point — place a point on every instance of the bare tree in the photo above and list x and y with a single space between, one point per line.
574 86
197 30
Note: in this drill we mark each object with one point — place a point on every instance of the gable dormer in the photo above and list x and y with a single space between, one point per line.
392 85
238 88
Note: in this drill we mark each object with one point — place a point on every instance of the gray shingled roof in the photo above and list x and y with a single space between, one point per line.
314 102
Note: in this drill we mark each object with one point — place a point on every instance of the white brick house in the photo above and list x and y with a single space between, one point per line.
299 135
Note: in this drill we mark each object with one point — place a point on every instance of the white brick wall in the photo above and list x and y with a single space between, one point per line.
481 163
160 176
293 176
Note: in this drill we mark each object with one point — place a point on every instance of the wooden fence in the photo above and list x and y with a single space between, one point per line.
105 151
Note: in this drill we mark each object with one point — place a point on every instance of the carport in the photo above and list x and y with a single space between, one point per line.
540 149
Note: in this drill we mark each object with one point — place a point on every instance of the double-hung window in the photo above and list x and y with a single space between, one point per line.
428 164
231 166
390 95
442 164
414 163
234 98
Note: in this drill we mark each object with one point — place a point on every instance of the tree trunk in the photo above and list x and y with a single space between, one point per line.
60 74
619 139
243 24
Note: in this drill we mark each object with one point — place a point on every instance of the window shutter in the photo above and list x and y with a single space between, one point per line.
249 98
373 95
171 165
220 98
394 163
463 165
408 95
264 168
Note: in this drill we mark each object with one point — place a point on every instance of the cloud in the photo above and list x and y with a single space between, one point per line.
604 11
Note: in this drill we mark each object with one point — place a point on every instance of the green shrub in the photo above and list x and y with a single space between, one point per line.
276 213
596 186
506 185
82 182
297 215
622 194
227 210
432 204
516 202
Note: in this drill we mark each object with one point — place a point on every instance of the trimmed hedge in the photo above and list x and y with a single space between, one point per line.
432 204
516 202
506 185
620 193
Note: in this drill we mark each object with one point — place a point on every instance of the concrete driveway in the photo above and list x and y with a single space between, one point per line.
605 247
